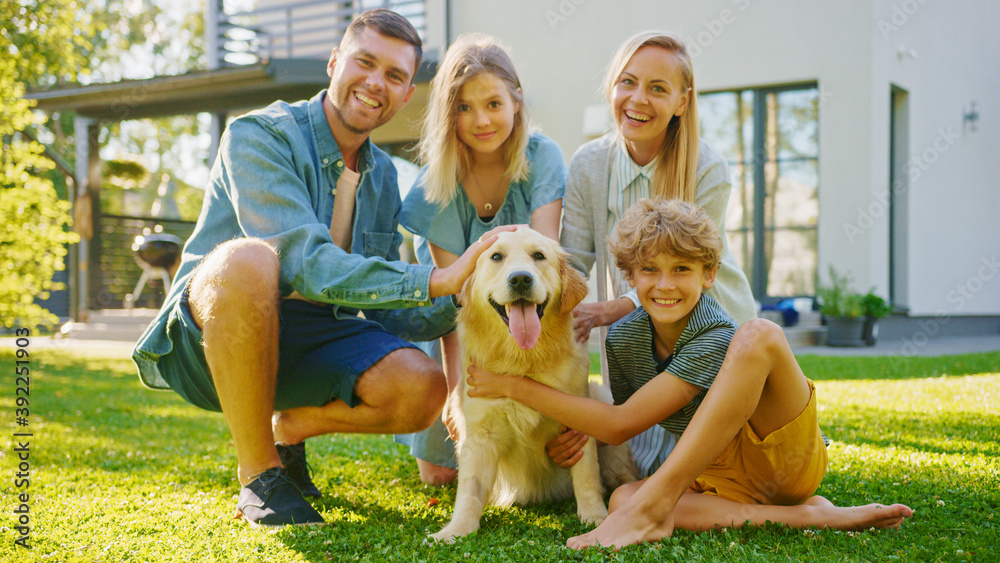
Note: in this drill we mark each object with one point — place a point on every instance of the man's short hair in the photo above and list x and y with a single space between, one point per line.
390 24
673 226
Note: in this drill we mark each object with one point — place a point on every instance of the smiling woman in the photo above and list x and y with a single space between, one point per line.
650 92
654 152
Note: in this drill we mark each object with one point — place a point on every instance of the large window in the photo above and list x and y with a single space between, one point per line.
770 136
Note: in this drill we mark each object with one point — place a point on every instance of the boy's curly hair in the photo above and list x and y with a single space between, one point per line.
673 226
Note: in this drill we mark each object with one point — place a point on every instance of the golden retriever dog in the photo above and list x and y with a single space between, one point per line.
517 320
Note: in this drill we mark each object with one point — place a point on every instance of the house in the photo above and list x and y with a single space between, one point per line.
861 134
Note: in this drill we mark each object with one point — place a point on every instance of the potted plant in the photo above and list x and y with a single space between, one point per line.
843 310
874 308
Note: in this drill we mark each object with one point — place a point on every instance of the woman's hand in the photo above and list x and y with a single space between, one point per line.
567 448
588 316
485 385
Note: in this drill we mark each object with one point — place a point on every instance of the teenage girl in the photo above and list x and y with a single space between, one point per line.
483 167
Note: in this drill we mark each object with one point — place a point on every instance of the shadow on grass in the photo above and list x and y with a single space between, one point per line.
954 433
402 533
95 414
839 368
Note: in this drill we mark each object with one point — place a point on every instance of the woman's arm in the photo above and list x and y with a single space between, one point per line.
613 424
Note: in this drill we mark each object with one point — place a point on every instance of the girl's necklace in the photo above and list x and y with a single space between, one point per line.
487 205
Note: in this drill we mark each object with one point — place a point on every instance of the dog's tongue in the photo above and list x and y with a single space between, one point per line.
524 324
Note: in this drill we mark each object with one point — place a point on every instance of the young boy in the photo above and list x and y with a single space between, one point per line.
750 447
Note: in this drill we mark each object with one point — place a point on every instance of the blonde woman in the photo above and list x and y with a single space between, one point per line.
654 152
483 167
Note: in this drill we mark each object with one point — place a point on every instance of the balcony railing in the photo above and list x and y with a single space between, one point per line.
276 29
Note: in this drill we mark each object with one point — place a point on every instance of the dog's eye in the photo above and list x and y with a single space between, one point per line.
538 256
496 257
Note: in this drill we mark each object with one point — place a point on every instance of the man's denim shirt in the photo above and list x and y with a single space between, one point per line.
274 179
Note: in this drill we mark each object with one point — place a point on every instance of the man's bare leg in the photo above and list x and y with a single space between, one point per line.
759 371
234 299
403 392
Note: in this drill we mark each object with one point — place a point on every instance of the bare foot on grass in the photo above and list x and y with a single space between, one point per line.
633 523
435 475
875 515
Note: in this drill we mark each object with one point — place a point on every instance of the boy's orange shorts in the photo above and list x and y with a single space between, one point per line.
784 468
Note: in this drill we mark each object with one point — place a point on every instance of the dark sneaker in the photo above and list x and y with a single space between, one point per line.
272 499
294 459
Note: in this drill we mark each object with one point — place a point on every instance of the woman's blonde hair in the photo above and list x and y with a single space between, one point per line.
678 158
448 159
677 227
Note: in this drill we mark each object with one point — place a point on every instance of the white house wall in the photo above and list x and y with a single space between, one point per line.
561 48
947 55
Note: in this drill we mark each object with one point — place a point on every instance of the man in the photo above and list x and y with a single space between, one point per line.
297 234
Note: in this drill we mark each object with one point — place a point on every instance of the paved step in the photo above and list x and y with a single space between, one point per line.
110 324
799 336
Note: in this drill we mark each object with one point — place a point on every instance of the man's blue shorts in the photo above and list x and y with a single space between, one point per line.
320 356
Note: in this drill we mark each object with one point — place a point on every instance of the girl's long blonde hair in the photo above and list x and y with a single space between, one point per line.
448 159
678 159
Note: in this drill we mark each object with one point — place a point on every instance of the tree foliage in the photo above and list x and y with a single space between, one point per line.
40 42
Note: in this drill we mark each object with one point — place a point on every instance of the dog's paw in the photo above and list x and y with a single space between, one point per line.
450 533
592 515
441 537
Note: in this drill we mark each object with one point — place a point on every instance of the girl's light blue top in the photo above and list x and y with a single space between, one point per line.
455 225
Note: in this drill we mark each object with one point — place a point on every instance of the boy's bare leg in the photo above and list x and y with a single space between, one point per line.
234 299
403 392
759 371
699 512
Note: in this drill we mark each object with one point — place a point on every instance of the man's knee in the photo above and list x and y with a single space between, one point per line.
239 274
429 392
416 388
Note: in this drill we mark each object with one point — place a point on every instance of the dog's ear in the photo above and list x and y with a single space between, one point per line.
574 287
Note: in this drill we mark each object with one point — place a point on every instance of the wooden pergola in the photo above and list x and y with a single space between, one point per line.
220 92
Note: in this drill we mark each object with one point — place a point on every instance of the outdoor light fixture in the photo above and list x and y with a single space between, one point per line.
971 117
902 51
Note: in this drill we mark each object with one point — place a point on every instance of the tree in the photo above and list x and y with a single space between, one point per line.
39 41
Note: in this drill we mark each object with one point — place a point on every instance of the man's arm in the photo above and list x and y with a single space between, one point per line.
269 191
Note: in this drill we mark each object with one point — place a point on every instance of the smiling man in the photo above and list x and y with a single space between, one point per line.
297 235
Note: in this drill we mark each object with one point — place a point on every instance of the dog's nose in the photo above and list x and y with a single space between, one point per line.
520 282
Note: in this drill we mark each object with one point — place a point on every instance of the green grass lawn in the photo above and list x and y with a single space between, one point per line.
120 473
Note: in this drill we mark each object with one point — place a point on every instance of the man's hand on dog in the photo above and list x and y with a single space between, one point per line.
448 281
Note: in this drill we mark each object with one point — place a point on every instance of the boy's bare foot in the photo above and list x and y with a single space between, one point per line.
436 475
878 516
631 524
